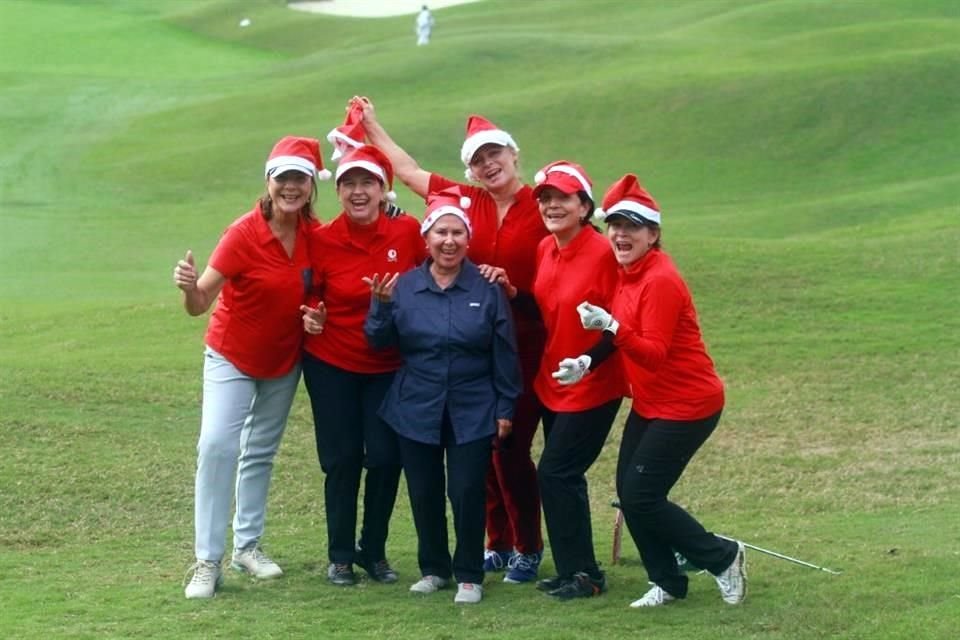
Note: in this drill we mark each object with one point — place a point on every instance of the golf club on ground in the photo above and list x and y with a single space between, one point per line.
619 524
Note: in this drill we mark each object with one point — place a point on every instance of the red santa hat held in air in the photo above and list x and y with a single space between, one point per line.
293 153
350 134
371 159
567 177
481 131
627 199
449 201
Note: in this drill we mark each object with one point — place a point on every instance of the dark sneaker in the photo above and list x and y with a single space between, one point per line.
522 568
549 584
341 574
496 560
379 571
581 585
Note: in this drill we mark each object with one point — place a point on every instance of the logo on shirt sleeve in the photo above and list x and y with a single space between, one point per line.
391 255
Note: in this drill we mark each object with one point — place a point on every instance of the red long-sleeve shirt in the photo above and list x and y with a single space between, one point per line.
585 269
671 375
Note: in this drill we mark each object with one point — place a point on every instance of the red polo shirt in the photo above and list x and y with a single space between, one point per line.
659 341
342 254
257 324
583 270
512 246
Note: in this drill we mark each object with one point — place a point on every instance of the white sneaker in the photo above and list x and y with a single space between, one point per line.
254 561
733 580
428 584
206 579
468 593
656 597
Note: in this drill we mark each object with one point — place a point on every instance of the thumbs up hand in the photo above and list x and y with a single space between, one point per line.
185 273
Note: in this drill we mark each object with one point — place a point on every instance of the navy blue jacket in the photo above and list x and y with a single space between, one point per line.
459 353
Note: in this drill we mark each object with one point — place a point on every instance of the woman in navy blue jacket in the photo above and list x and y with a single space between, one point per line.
455 390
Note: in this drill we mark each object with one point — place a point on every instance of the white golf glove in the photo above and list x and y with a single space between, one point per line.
596 318
572 370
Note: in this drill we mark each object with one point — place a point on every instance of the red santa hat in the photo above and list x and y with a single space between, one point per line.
627 199
481 131
293 153
568 177
350 134
449 201
371 159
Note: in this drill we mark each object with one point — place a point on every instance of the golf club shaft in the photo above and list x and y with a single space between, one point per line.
778 555
616 504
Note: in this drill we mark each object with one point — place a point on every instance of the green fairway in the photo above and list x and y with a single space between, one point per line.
806 156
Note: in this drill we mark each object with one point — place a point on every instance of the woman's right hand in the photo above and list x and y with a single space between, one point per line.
369 113
185 273
382 289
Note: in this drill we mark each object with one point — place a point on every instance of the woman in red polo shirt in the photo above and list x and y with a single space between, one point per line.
347 379
574 263
677 400
507 228
258 274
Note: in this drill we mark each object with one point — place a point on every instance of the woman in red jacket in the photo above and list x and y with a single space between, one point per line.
573 263
507 228
677 401
347 379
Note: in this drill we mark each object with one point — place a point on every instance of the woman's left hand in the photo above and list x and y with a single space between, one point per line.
504 428
382 289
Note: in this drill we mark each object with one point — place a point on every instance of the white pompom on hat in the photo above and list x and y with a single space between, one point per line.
480 131
567 177
627 199
449 201
293 153
372 160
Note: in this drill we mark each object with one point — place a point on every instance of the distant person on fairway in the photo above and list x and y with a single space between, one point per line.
454 393
507 228
347 379
424 26
677 400
258 273
573 263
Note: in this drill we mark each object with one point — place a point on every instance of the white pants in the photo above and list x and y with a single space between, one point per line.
241 427
423 37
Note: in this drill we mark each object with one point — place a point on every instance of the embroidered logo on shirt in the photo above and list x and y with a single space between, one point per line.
474 304
391 255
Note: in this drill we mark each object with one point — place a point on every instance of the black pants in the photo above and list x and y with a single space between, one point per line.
350 436
573 443
465 481
653 455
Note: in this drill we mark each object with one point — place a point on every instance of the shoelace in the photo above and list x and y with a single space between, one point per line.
203 572
260 557
522 561
496 559
655 596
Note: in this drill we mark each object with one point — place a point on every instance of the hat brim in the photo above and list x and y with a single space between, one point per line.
631 216
283 168
562 182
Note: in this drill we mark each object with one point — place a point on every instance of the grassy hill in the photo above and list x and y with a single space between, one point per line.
805 157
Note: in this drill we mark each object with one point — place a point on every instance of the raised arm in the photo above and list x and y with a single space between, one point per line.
404 166
198 293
